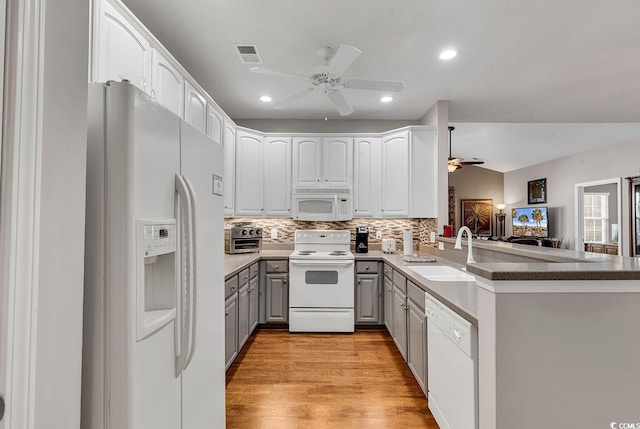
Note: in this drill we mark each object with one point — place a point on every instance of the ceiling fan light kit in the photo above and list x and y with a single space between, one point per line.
327 79
454 163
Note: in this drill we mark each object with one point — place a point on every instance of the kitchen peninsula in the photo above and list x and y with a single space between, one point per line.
547 356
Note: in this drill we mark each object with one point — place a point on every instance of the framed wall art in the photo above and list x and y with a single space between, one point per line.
537 191
477 215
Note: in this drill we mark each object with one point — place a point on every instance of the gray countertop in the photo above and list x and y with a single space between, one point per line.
233 264
551 264
461 298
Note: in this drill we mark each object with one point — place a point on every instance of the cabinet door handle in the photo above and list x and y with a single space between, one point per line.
226 313
233 287
284 281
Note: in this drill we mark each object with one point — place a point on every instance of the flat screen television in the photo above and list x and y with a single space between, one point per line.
530 222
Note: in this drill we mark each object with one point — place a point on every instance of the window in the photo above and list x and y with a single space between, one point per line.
596 217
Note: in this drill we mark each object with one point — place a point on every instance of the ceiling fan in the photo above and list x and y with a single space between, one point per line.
454 163
327 78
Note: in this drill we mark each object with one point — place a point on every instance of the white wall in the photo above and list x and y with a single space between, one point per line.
473 182
61 260
617 160
438 116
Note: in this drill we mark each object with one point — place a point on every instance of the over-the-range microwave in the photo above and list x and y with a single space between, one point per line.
322 204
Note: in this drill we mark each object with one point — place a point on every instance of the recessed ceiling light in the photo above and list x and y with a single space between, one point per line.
448 54
265 99
386 99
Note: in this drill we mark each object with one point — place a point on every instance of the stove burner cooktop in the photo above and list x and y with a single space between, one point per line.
338 253
306 252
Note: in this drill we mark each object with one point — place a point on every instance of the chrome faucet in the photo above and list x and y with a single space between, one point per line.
458 244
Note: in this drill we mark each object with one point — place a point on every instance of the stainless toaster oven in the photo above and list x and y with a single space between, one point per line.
242 239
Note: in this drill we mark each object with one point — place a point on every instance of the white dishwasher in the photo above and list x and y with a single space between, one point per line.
452 367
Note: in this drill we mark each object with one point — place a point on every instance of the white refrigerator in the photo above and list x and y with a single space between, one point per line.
153 354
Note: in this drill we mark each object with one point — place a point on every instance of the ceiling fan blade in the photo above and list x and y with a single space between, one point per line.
374 85
340 103
263 70
471 162
343 58
294 97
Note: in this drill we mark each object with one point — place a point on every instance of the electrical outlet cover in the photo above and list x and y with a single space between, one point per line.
379 235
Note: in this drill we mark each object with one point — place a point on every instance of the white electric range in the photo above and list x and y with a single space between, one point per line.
321 282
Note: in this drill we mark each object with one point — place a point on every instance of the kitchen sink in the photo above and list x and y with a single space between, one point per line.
441 273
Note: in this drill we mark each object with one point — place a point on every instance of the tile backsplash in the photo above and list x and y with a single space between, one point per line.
391 228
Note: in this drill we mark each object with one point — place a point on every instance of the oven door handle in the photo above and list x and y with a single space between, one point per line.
332 263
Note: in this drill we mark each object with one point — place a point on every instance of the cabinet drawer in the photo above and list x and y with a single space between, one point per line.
253 270
277 266
415 294
388 271
243 277
230 286
367 267
400 281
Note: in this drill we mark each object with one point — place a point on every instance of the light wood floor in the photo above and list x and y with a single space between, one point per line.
310 381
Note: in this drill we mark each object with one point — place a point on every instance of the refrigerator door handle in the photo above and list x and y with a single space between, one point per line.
194 279
186 277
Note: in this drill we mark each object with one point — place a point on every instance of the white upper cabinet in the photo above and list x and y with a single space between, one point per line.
307 156
424 173
395 175
249 174
409 173
123 52
214 123
277 176
322 161
338 161
195 108
167 84
366 177
229 146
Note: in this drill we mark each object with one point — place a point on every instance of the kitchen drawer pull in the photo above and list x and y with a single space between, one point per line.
367 268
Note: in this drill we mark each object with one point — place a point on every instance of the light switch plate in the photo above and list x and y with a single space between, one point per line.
217 185
441 246
274 233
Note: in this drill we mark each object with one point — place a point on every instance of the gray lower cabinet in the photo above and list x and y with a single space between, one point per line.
253 303
243 315
277 298
368 294
399 311
416 335
274 292
231 329
241 310
388 300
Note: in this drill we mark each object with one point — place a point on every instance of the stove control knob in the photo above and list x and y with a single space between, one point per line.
258 232
251 232
244 232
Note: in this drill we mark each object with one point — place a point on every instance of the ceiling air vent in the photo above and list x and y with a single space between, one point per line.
249 54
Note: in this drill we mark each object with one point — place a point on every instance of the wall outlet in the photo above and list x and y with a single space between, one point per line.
274 233
432 236
441 246
379 235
